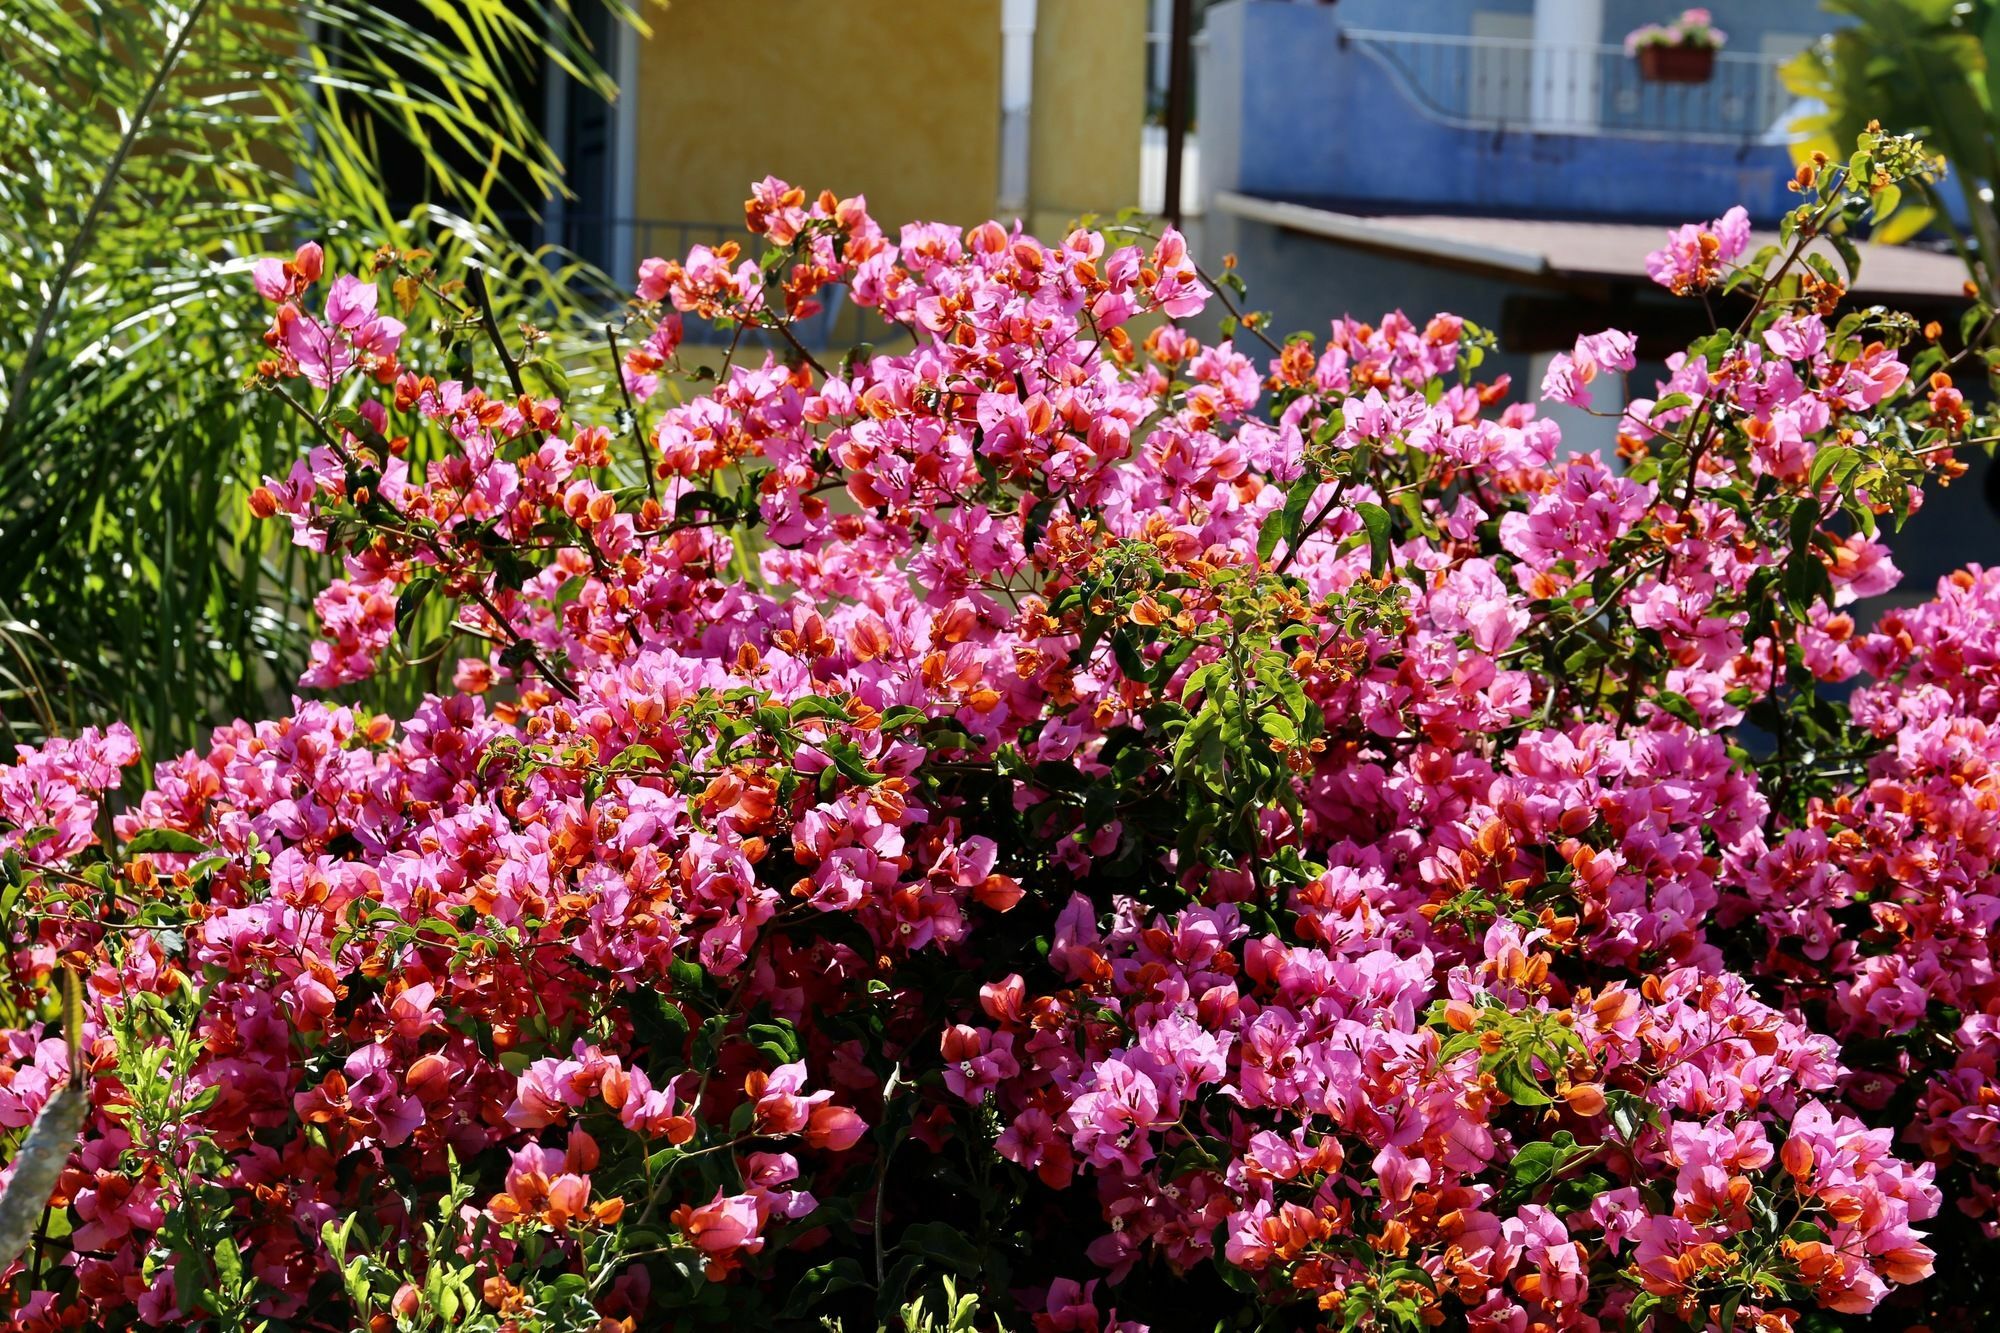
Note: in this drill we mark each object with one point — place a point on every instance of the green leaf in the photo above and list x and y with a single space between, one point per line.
544 377
1806 579
636 757
1274 672
188 1285
1823 267
1825 461
360 427
1907 221
1282 525
943 1244
1578 1192
1126 653
409 602
777 1038
228 1263
816 1284
1677 705
1200 745
1375 519
1630 1113
334 1236
848 760
1639 1314
1520 1086
1278 726
703 501
1534 1163
164 840
658 1022
1850 254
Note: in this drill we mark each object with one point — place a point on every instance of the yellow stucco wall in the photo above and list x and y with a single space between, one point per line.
895 99
1089 104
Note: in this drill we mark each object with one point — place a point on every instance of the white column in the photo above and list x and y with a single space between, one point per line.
1565 83
1017 93
624 167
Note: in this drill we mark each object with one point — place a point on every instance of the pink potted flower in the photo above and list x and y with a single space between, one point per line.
1682 51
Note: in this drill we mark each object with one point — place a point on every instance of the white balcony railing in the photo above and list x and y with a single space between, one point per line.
1509 83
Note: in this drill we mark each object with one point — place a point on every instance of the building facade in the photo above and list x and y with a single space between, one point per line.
941 110
1510 161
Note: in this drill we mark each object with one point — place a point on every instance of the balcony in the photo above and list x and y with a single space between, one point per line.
1506 84
1300 103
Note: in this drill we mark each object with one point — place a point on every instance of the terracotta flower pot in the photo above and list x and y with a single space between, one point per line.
1677 64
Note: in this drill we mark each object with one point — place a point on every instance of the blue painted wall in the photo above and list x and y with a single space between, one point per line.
1432 16
1304 281
1290 112
1287 113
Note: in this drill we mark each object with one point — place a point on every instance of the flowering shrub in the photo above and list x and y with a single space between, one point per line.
1148 834
1694 28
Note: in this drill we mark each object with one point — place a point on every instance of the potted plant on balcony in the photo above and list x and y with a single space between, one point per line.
1682 51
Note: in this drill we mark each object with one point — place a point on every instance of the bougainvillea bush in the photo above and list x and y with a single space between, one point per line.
1052 827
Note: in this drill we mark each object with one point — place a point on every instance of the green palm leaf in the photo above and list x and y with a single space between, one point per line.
149 153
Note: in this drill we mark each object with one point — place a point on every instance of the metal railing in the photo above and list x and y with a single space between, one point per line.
1511 83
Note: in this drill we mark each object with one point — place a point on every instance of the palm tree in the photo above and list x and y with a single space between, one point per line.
149 152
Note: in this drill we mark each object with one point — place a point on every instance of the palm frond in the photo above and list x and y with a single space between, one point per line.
149 153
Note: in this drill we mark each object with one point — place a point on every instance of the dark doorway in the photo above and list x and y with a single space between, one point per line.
583 129
579 125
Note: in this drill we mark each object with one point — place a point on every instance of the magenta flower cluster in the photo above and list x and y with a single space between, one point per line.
1692 28
1167 810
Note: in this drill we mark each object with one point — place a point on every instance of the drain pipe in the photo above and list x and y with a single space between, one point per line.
1180 71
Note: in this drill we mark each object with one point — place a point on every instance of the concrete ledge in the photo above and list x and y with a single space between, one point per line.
1377 232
